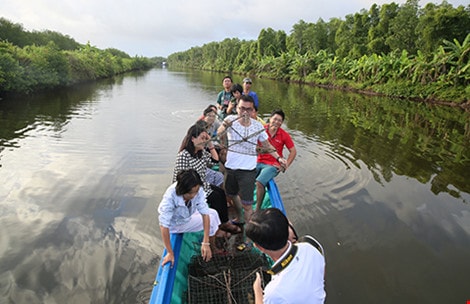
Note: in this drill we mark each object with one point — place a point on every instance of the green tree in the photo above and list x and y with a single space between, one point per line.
296 42
380 28
442 22
402 31
12 32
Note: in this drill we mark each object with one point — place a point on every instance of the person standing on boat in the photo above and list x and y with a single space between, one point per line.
240 134
247 91
268 167
193 155
184 209
224 96
298 273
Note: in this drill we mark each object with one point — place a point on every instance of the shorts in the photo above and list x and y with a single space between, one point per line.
240 182
264 173
214 177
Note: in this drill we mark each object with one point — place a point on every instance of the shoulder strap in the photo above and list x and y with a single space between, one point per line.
280 265
309 239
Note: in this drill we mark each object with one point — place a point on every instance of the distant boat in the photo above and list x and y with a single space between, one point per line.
164 64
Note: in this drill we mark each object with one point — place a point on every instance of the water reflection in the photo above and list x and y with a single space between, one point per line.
381 183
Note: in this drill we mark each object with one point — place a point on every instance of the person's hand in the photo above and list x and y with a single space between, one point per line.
283 164
169 258
227 123
206 252
257 289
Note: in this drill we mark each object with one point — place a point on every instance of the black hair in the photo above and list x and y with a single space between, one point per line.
208 110
227 76
247 98
211 106
278 112
236 88
187 180
269 228
194 131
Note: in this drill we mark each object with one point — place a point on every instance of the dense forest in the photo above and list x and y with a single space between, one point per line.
395 50
41 60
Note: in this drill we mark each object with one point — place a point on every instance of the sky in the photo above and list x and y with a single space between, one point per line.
159 28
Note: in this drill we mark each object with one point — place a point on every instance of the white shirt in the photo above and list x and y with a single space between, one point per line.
242 142
302 281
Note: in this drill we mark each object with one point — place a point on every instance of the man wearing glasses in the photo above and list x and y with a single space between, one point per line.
240 135
247 91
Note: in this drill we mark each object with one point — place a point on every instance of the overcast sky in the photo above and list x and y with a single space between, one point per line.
159 28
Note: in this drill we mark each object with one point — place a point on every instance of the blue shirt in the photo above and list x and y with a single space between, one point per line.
255 98
173 210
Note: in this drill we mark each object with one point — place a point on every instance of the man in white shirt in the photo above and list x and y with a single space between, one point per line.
240 135
299 269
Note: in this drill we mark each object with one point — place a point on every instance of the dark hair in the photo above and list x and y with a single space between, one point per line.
211 106
236 88
227 76
194 131
208 110
269 228
278 112
186 180
247 98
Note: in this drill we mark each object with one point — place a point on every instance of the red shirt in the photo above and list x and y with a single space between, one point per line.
280 139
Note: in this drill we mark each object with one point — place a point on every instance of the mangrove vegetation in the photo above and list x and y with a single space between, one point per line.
36 60
395 50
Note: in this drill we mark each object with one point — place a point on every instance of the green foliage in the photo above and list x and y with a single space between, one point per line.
43 60
397 50
15 34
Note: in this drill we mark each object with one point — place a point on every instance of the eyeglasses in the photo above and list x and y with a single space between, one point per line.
243 109
248 82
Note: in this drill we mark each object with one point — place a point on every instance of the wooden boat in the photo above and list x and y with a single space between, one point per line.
171 283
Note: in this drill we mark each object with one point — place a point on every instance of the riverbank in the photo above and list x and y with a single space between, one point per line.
464 105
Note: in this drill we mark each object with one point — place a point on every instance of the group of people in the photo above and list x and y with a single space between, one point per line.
248 153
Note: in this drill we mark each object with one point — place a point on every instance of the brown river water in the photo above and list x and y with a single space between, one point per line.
382 183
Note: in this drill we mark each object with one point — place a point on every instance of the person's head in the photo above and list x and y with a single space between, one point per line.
254 113
210 115
247 84
277 117
237 91
227 83
246 105
188 183
196 139
211 106
268 228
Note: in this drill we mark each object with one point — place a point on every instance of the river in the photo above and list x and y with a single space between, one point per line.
382 183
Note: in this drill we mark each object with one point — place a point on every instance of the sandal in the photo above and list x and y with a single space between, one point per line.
236 223
231 228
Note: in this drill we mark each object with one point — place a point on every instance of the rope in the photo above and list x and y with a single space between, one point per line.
221 136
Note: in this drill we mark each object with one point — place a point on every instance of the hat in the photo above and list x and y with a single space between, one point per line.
247 80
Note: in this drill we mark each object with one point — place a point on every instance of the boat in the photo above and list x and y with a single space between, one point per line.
171 284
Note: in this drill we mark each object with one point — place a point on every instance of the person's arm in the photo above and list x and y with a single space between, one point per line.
219 100
266 145
166 210
230 107
257 289
205 245
212 150
291 157
222 132
169 257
